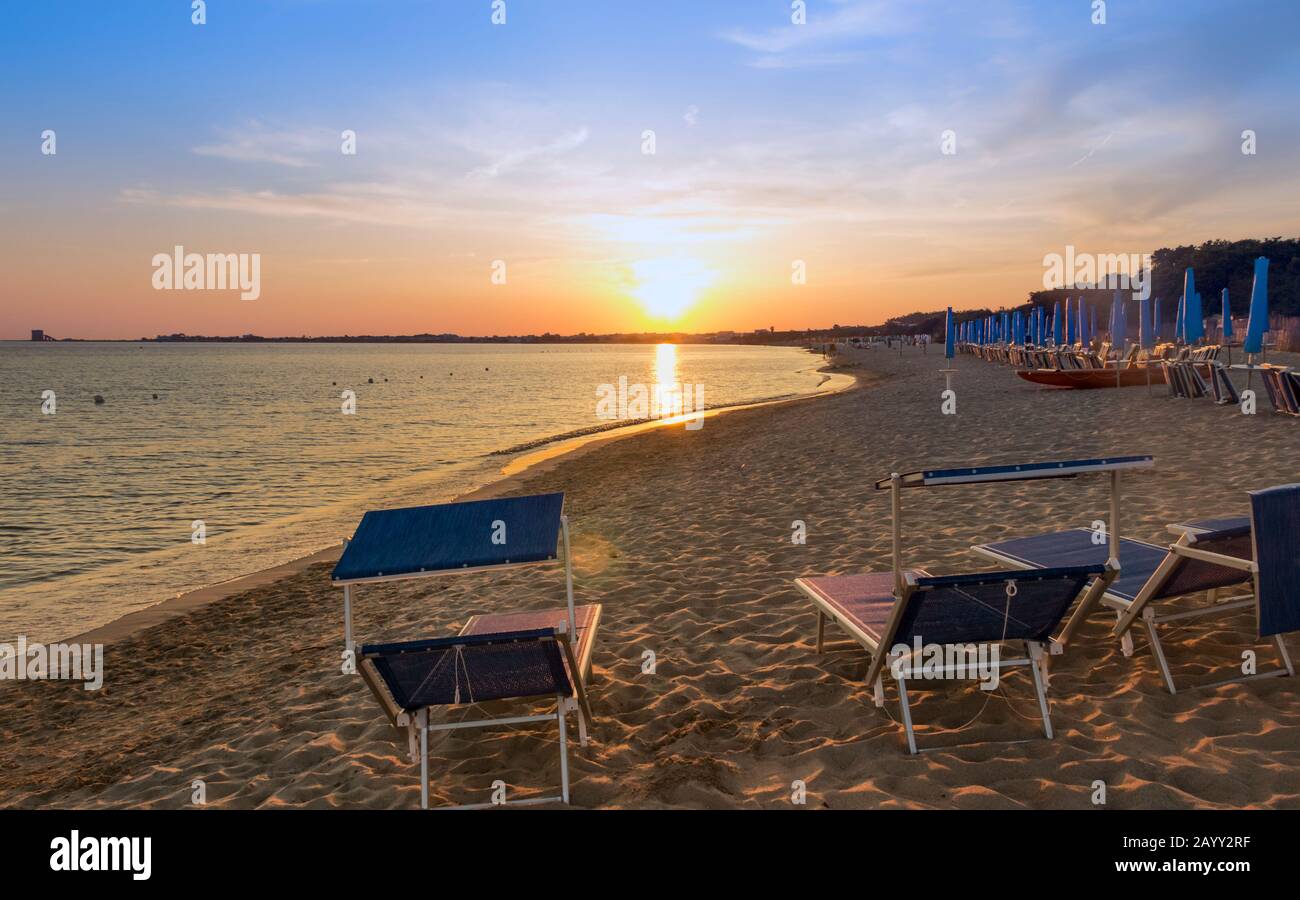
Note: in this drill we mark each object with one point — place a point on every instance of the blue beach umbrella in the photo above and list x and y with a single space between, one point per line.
1118 324
1258 322
1227 318
1069 323
1193 317
1058 336
1178 319
1155 316
1092 332
949 339
1146 338
1082 315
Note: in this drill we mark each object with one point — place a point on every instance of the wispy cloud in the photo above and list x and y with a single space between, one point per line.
257 143
513 159
849 19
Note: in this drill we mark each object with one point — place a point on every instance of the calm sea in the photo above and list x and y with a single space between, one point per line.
99 503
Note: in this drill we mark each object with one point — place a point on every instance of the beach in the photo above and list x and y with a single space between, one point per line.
685 537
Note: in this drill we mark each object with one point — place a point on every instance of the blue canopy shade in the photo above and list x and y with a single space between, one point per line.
1227 317
1258 322
949 340
430 539
1193 317
1069 468
1274 513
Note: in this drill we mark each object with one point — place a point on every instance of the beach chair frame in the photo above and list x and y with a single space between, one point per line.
417 725
1143 607
905 584
1036 652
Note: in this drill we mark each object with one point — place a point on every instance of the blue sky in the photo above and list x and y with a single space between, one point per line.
522 142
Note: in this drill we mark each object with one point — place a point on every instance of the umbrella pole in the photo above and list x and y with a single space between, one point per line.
1114 516
896 512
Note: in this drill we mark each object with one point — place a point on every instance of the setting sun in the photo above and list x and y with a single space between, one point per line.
667 288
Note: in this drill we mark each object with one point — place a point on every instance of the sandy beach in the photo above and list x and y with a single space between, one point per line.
685 537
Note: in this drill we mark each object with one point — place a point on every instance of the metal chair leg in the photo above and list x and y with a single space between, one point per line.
564 754
907 716
1284 655
1148 617
424 759
1035 656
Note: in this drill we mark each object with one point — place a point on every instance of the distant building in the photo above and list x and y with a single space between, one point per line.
38 334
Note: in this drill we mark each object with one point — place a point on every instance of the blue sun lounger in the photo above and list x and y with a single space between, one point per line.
1260 555
525 655
961 613
881 610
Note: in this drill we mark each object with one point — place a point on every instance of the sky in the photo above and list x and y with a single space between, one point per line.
501 182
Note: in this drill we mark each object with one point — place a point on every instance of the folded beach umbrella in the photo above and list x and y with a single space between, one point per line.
1155 316
1179 317
1146 339
1118 323
1227 318
1058 336
1258 322
1193 317
1092 332
949 343
1083 321
1069 323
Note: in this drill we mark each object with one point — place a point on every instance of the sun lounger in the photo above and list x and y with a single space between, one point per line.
879 609
522 655
1224 391
410 679
1203 525
962 612
1283 388
1262 556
